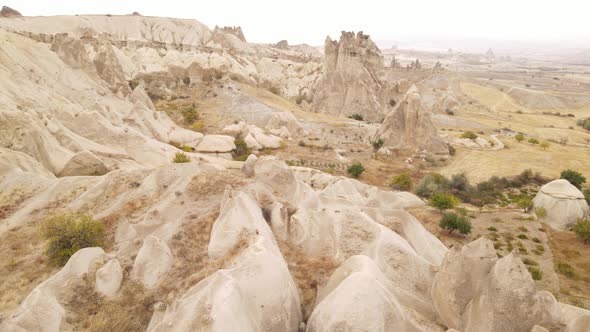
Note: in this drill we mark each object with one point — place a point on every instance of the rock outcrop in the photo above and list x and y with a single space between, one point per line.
474 291
409 126
351 80
564 203
9 12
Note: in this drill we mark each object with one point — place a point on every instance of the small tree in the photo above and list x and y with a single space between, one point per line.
180 158
452 221
525 203
68 233
544 145
356 116
519 138
575 178
377 144
582 230
242 150
443 201
533 141
355 170
469 135
586 193
402 182
541 213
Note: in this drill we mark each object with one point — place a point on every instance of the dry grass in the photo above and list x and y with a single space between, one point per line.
568 249
306 273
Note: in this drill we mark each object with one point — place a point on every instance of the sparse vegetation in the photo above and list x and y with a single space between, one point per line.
68 233
565 269
452 221
582 230
584 123
355 170
533 140
519 137
356 116
469 135
242 150
180 158
544 145
443 201
575 178
190 115
541 213
402 182
377 144
536 273
525 203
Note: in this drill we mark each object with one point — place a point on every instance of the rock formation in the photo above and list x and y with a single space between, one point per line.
564 203
409 126
9 12
351 80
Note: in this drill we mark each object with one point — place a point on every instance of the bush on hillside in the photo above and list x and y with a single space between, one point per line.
377 144
452 221
469 135
402 182
68 233
190 115
180 158
242 150
582 230
355 170
356 116
519 137
575 178
443 201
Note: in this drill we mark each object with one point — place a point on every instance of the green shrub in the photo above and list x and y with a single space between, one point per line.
180 158
573 177
535 273
584 123
582 230
519 137
565 269
469 135
402 182
68 233
541 213
356 116
190 115
186 148
242 150
452 221
377 144
431 184
443 201
544 145
522 236
355 170
586 193
133 84
529 261
492 229
525 203
533 141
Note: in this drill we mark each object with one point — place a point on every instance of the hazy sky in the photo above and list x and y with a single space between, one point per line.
310 21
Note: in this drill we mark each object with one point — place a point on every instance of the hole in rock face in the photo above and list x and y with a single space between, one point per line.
266 213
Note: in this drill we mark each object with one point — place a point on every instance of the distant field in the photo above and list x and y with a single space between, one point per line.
480 165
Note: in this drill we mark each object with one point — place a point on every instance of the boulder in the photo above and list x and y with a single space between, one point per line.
409 126
41 309
216 143
564 203
248 166
153 260
580 324
84 163
109 278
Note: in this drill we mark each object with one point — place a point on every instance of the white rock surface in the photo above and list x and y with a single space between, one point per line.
109 278
564 203
153 260
216 143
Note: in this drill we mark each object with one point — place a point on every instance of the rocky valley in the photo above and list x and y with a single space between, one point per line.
160 175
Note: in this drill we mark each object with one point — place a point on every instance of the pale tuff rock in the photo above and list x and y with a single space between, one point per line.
570 313
351 80
216 143
409 126
564 203
84 163
538 328
41 310
474 291
254 137
9 12
580 324
238 298
109 278
153 260
358 297
248 166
